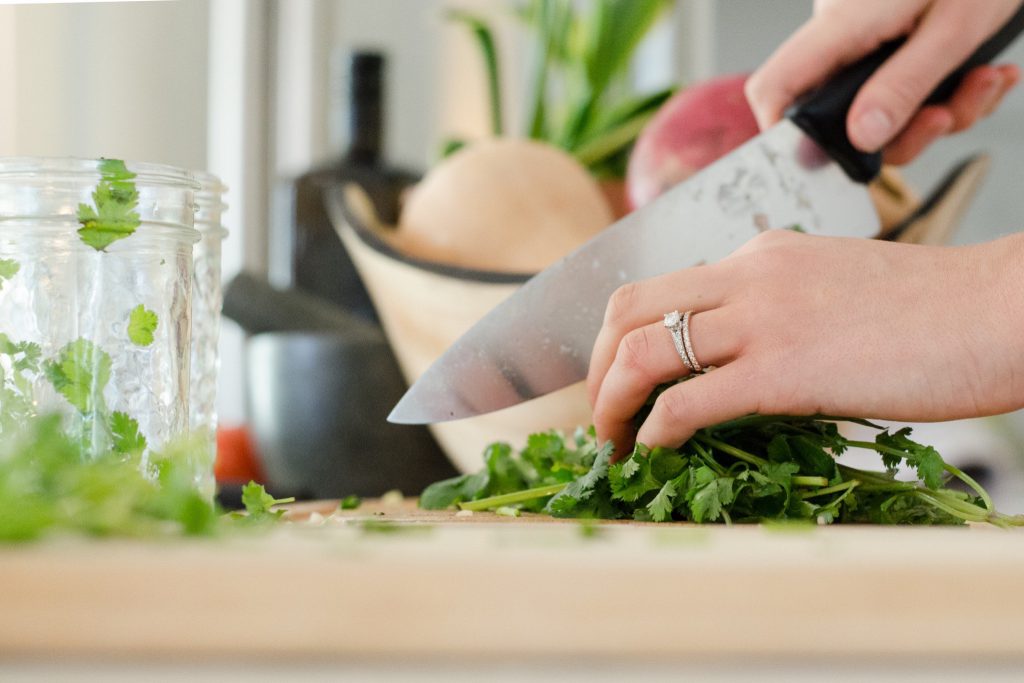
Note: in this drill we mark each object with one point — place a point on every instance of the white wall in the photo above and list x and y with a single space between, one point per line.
118 80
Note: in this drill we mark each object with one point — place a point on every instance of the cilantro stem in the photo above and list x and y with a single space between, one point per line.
708 460
512 498
956 472
875 480
845 486
967 479
949 507
809 481
737 453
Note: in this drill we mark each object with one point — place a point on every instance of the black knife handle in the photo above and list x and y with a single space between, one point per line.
822 114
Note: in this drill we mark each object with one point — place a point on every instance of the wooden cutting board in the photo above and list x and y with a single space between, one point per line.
384 582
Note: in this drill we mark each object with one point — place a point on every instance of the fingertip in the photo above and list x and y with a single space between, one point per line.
1010 72
767 110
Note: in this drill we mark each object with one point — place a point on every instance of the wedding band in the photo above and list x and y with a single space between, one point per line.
688 346
674 322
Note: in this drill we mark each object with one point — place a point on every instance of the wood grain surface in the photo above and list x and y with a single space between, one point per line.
393 582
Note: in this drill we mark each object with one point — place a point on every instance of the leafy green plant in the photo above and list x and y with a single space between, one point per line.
753 469
8 269
142 324
578 100
48 487
115 198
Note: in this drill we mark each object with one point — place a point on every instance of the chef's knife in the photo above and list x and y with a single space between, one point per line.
801 172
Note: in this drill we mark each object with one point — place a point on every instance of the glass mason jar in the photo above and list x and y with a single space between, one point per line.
207 302
95 300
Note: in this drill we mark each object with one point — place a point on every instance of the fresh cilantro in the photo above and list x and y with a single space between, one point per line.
8 269
660 507
17 378
258 502
450 492
125 431
80 373
351 502
113 216
753 469
47 486
142 324
925 459
583 488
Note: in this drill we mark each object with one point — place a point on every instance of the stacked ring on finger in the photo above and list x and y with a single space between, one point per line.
679 327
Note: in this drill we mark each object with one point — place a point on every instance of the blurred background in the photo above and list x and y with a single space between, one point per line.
262 92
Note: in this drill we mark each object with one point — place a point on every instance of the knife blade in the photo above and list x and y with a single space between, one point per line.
801 172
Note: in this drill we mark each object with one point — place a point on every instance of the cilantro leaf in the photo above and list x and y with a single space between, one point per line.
125 430
113 216
8 269
566 501
812 458
632 478
660 506
80 374
929 465
899 441
142 324
449 492
258 502
925 460
350 502
708 502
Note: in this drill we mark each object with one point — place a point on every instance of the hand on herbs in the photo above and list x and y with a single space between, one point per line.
887 112
796 324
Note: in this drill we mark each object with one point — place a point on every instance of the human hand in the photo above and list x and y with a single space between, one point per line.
799 325
887 111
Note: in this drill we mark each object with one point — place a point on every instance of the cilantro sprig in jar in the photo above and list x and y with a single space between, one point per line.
96 261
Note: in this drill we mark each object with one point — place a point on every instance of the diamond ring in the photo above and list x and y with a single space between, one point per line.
679 326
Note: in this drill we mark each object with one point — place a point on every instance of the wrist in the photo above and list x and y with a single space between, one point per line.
1004 290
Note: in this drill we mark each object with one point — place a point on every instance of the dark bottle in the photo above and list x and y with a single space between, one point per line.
320 264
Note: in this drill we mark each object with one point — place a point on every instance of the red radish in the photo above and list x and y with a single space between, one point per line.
694 128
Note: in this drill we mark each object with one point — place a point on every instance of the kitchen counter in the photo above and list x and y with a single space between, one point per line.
385 582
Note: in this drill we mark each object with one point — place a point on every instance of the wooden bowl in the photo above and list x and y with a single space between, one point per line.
424 307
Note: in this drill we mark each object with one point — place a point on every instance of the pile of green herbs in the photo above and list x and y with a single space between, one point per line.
578 96
753 469
47 486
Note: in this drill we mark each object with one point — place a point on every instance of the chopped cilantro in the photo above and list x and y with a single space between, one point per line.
113 216
350 502
142 324
80 373
125 430
8 269
258 502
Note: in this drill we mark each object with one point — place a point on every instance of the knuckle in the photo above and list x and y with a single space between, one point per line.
754 88
621 304
635 350
673 407
901 97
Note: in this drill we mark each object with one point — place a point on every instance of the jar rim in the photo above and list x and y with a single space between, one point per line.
146 173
